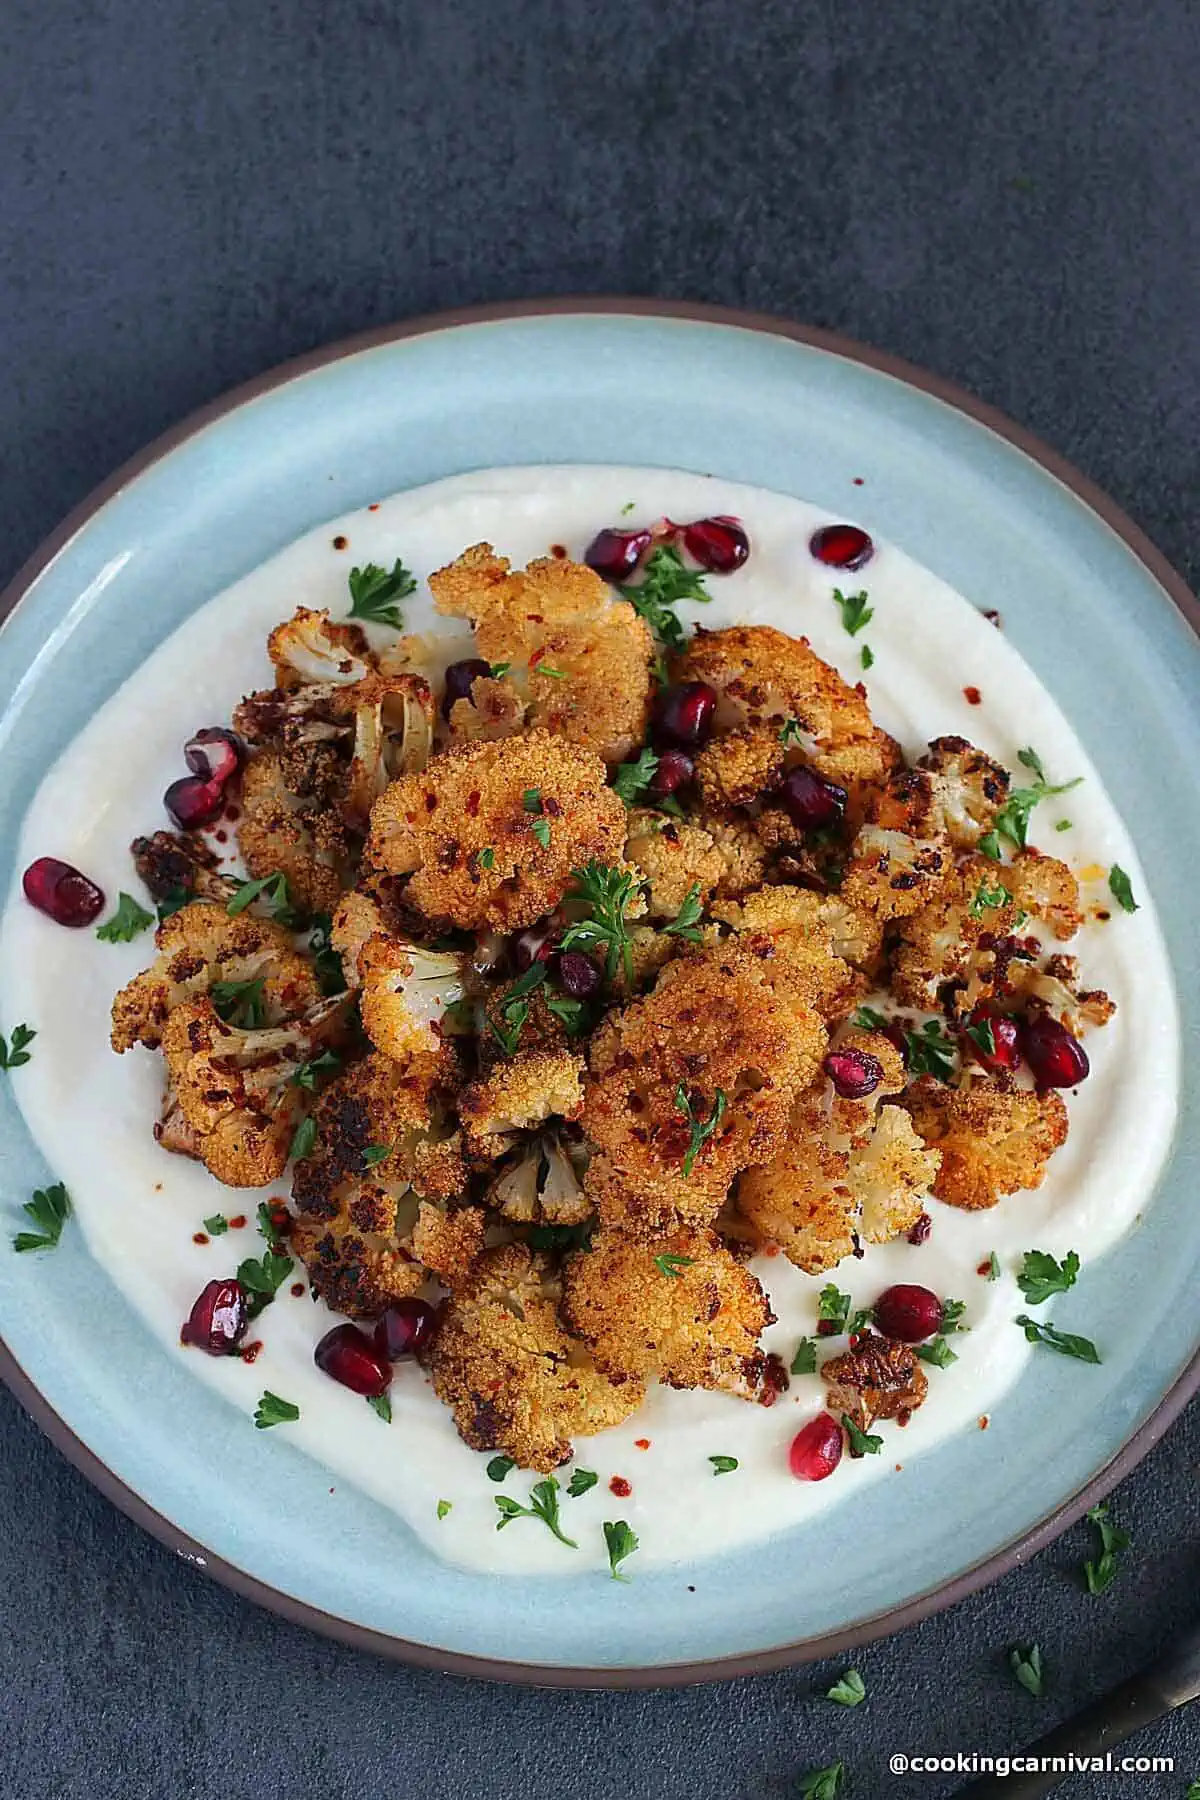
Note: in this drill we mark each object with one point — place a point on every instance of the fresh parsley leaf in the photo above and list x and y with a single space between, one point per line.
862 1443
791 733
867 657
444 1507
621 1542
1100 1574
1042 1275
860 1320
541 668
265 1220
375 1153
309 1073
531 800
1065 1342
952 1312
701 1129
805 1360
303 1139
666 580
685 923
987 899
507 1029
723 1465
1026 1664
571 1013
217 1226
499 1467
607 894
849 1690
128 922
374 593
487 858
982 1034
327 964
271 888
930 1052
631 780
833 1308
239 1003
867 1019
500 670
274 1411
49 1210
628 507
543 1505
666 1264
262 1278
1119 886
822 1784
13 1053
854 610
173 901
938 1353
540 828
581 1481
993 1273
1012 821
382 1404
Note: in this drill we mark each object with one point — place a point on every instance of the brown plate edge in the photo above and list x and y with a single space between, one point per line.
863 1631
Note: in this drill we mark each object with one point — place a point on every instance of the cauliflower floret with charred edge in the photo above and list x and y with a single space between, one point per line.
519 1095
673 857
200 946
649 1204
279 832
393 719
404 992
1056 988
579 659
992 1140
815 934
491 832
515 1380
890 875
891 1176
309 648
679 1305
955 791
879 1378
175 865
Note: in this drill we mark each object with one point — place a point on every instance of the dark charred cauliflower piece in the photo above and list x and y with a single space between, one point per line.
465 829
678 1305
577 658
514 1378
954 792
879 1378
310 649
199 948
890 874
180 865
993 1140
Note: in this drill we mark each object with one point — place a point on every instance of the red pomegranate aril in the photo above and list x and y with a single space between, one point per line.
675 770
347 1355
616 554
214 754
1005 1036
841 546
854 1073
578 975
816 1450
908 1312
194 803
460 677
61 892
811 802
405 1329
684 716
719 545
1056 1059
218 1320
534 944
918 1233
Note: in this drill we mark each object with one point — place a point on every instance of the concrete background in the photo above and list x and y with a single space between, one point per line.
1006 191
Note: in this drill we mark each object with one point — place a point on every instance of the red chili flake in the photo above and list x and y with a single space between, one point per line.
770 1250
297 1290
973 696
984 1421
921 1230
200 1237
775 1380
903 1416
341 543
984 1268
473 800
374 507
1103 914
641 1443
620 1487
858 481
238 1224
233 814
249 1352
559 550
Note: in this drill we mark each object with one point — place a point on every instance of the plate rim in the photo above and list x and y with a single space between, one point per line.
361 1637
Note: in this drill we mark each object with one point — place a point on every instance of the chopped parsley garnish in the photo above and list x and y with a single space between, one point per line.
217 1226
701 1129
860 1320
500 670
1063 825
666 580
513 1010
822 1784
1119 886
541 830
1026 1664
1012 821
867 657
1100 1574
632 779
173 901
543 1505
628 507
854 610
13 1052
983 1034
805 1360
938 1353
487 858
444 1507
262 1278
572 1014
952 1312
685 923
930 1052
667 1264
1065 1342
128 922
849 1690
581 1481
375 1153
833 1308
566 1239
791 733
374 593
862 1443
531 800
271 888
723 1465
265 1220
987 899
541 668
239 1003
49 1210
993 1273
867 1019
608 894
274 1411
327 964
1042 1275
309 1073
382 1404
621 1541
499 1467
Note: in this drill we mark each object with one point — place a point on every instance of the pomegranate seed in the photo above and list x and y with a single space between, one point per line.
578 975
719 545
854 1073
908 1312
405 1329
218 1320
347 1355
459 679
817 1450
214 754
811 802
675 770
841 546
919 1233
616 554
534 944
193 803
61 892
1057 1059
1005 1032
683 716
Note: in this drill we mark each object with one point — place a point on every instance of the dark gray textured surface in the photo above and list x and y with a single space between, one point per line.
1007 191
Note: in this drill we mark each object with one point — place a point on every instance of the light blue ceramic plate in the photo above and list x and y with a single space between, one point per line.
1090 605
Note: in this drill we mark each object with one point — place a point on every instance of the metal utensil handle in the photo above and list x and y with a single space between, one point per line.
1107 1722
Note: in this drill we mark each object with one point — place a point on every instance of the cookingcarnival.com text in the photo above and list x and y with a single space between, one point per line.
979 1762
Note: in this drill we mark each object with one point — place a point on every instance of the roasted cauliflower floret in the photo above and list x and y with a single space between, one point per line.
393 735
513 1377
491 832
357 918
743 853
738 769
646 1203
1055 988
890 1176
200 948
494 709
815 934
579 659
540 1186
679 1306
992 1140
673 857
890 874
879 1378
301 839
954 792
403 997
180 866
309 648
801 1200
519 1095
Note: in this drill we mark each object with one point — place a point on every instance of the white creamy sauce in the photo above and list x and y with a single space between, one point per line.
139 1206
